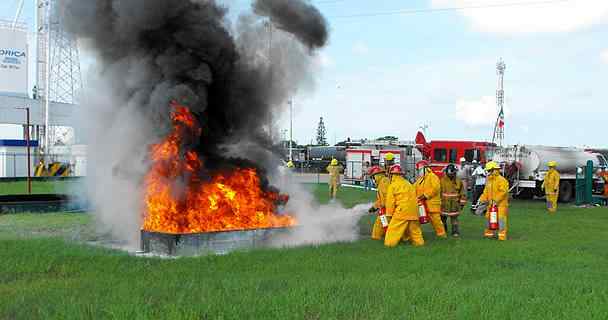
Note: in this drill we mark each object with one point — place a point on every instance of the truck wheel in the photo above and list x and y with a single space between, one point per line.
565 191
538 192
526 194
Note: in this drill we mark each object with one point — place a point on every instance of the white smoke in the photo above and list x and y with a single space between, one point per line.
119 138
317 224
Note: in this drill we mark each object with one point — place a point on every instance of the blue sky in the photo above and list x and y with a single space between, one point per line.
390 74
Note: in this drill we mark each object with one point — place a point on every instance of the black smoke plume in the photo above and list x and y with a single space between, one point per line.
296 17
156 51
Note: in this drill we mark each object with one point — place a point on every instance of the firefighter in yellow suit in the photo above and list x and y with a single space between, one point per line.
604 175
453 199
401 204
382 182
428 188
334 170
496 192
551 186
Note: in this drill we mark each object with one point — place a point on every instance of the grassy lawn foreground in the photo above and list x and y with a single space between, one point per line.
41 187
551 268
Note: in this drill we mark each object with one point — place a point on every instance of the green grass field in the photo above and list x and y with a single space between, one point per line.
551 268
39 187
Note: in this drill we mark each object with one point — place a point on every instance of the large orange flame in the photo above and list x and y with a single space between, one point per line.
178 201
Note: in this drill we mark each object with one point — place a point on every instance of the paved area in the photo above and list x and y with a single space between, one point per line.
310 178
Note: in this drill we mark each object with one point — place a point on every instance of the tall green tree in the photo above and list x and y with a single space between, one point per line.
321 132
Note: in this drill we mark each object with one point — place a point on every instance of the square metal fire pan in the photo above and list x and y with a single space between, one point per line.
195 244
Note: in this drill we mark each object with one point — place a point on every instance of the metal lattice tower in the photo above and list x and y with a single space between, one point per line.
59 78
499 128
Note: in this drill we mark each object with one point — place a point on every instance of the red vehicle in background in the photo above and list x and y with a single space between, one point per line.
443 152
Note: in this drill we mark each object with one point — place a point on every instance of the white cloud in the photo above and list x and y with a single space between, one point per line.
537 16
477 112
360 48
604 56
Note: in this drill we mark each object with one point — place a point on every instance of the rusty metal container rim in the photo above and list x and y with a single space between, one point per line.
213 232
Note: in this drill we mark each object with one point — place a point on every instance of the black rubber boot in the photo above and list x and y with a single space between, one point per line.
455 231
444 220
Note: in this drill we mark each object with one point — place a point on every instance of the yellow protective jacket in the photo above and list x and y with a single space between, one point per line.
604 175
382 183
452 195
496 190
551 183
334 173
429 186
401 200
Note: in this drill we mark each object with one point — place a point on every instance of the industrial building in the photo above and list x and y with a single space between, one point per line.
40 83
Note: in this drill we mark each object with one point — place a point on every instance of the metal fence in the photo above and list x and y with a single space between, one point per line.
14 164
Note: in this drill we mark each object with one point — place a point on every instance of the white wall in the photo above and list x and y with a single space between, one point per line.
13 161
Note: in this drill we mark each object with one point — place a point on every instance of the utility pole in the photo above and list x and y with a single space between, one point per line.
27 144
290 130
18 14
268 25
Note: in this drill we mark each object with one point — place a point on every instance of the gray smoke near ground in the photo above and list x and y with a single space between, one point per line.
151 52
317 224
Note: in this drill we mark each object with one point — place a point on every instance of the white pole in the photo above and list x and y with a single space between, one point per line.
290 130
18 14
47 97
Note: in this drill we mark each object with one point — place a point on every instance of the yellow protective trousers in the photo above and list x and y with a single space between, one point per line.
398 228
503 224
333 189
378 230
437 224
552 202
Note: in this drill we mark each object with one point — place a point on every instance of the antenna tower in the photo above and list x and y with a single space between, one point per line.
499 127
58 79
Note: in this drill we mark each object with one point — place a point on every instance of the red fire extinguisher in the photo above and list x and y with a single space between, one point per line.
423 212
383 218
493 217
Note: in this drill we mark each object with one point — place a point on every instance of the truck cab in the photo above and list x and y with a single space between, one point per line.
443 152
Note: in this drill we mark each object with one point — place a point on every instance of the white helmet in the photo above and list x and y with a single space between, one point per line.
463 159
474 161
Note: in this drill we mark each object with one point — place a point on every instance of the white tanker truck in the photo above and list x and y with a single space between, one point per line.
526 166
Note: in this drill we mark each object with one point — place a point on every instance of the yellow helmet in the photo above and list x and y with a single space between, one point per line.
552 164
290 164
389 156
492 166
334 162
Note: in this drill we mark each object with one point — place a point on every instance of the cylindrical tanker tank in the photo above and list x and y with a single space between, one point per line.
534 159
531 162
327 153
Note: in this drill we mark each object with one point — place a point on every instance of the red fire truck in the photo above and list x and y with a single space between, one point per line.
443 152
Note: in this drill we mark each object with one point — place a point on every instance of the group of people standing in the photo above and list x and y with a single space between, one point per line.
443 199
399 202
